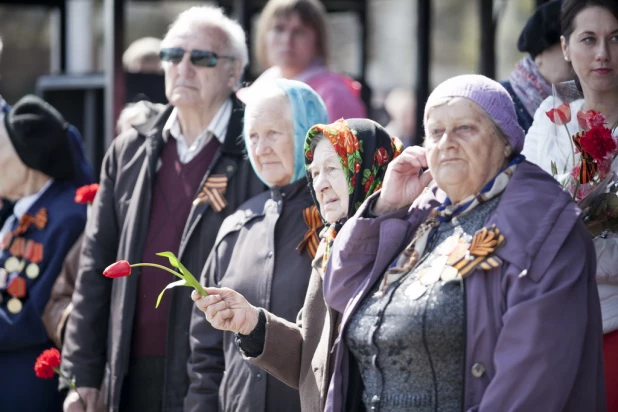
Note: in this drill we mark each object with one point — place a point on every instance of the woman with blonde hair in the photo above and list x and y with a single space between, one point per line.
292 43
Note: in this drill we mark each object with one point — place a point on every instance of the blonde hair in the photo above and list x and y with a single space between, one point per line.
311 12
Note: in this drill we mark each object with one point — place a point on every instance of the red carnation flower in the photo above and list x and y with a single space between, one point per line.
561 115
86 194
598 142
119 269
47 363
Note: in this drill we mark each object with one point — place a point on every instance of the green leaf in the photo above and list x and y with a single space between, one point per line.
554 169
188 276
180 282
172 258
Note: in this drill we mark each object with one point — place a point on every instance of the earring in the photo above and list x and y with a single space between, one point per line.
566 58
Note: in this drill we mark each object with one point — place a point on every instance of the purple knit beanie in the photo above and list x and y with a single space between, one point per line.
488 94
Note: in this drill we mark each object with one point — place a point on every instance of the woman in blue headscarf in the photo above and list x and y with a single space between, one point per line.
263 251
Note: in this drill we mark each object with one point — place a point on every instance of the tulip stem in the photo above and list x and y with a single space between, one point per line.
571 142
191 281
154 265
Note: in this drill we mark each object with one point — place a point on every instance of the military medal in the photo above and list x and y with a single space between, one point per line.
14 305
17 289
32 271
448 273
34 253
415 290
12 264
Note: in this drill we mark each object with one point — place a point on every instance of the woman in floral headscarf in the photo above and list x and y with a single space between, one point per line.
346 162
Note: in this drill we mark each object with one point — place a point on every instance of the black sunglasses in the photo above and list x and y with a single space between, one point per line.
201 58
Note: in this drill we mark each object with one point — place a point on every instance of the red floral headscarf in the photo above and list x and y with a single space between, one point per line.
364 149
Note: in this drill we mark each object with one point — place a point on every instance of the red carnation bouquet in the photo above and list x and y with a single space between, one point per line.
592 177
48 364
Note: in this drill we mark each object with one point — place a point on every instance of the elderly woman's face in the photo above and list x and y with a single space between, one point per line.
329 182
464 149
290 43
593 49
13 173
270 128
188 86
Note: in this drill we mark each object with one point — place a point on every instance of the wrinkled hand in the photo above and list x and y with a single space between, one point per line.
402 181
227 309
72 402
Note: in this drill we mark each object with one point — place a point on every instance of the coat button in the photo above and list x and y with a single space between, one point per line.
229 169
270 254
258 376
375 400
478 370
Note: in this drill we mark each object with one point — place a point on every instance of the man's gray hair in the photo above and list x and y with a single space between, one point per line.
213 17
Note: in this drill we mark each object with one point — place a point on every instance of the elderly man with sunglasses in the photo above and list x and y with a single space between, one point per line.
165 186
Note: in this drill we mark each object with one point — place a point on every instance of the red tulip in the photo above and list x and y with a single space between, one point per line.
86 194
119 269
561 115
47 363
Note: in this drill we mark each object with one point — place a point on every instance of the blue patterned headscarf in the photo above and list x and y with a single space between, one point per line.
308 109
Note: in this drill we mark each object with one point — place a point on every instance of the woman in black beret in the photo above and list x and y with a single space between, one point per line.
531 81
42 163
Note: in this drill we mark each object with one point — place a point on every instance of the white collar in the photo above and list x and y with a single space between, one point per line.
217 126
22 205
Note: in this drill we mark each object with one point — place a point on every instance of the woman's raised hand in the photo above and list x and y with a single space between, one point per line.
227 309
403 181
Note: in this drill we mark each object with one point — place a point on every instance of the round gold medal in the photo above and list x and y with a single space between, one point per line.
415 290
32 271
14 305
430 275
12 264
448 273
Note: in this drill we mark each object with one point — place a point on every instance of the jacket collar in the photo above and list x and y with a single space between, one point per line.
233 144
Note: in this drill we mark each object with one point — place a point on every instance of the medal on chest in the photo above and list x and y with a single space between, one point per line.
456 257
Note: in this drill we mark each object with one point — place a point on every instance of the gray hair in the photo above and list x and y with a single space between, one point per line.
213 17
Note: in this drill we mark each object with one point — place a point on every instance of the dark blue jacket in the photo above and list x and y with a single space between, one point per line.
22 335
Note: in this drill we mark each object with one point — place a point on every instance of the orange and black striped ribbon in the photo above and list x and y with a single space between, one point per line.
212 192
39 220
588 167
314 224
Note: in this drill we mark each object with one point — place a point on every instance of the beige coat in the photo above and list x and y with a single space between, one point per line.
298 353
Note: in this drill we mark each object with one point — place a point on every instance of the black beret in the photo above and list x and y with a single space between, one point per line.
542 30
39 135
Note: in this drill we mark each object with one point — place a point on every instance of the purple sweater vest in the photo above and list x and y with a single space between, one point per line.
175 187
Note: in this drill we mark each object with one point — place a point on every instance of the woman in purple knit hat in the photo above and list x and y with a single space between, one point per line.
475 293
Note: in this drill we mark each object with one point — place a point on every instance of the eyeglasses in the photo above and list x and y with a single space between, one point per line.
201 58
